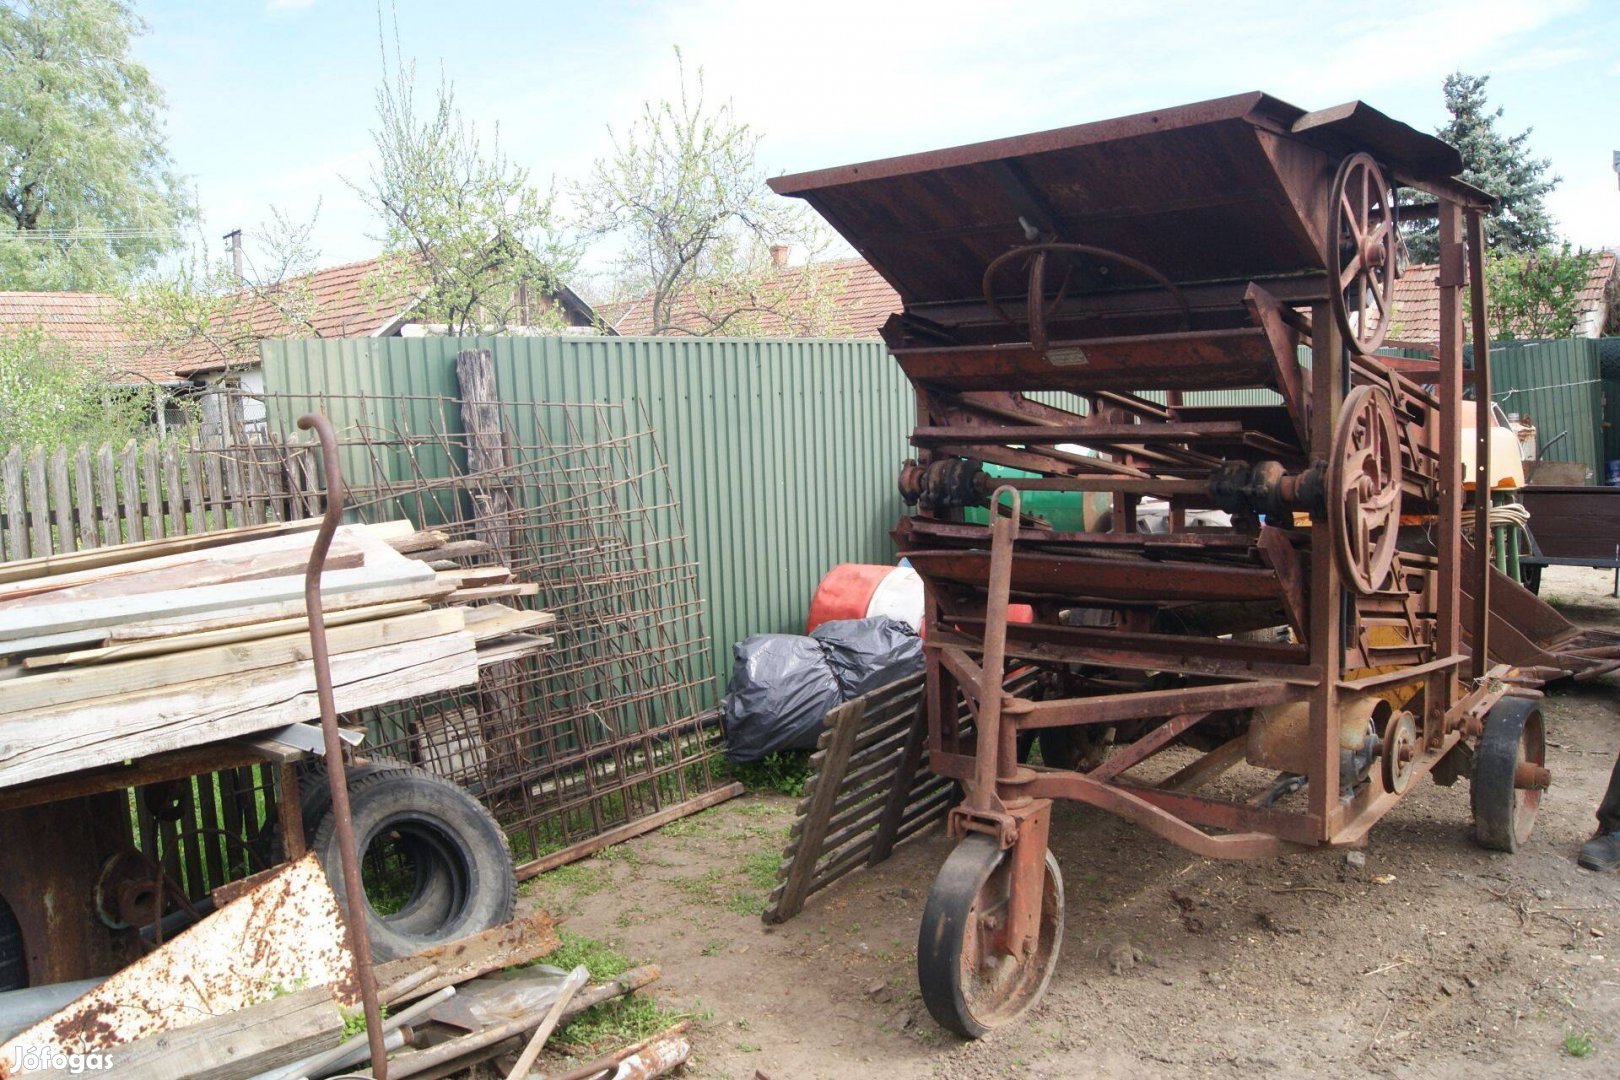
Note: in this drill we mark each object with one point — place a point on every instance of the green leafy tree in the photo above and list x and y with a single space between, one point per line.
50 397
86 184
1499 164
686 201
198 310
1537 294
462 225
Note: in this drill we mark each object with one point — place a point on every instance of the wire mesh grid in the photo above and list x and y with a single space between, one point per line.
604 726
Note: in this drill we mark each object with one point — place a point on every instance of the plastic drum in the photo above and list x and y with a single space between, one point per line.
863 590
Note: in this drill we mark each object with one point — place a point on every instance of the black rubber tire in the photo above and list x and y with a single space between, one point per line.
433 892
13 953
1532 578
1504 815
977 867
465 882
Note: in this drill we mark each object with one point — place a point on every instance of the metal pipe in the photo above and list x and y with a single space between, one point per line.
353 887
1482 441
993 760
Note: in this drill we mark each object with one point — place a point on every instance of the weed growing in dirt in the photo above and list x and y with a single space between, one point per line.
784 772
715 947
602 961
745 902
618 1023
583 880
1578 1044
761 869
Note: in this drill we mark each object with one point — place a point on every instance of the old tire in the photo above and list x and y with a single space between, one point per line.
968 988
13 953
433 891
461 872
1505 814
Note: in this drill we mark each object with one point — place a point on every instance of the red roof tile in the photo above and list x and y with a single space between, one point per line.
89 324
348 301
1417 299
843 298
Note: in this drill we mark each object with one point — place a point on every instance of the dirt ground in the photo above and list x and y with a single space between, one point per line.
1435 959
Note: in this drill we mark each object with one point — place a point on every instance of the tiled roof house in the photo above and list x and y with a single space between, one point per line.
1416 318
852 300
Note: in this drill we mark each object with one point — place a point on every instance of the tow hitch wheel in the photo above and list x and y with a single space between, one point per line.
1509 774
968 980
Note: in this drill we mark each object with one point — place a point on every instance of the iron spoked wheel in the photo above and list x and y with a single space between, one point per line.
1513 743
969 983
1361 252
1364 488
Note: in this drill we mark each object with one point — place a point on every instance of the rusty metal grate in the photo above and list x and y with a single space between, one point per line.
606 726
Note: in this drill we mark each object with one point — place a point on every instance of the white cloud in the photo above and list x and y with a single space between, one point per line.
288 5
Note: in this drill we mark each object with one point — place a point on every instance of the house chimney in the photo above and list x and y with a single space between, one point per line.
234 237
779 254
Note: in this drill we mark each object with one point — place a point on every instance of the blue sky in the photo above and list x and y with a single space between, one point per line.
271 101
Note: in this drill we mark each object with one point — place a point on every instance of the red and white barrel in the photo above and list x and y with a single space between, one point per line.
862 591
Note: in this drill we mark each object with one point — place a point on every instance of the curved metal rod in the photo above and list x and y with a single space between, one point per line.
1037 299
348 854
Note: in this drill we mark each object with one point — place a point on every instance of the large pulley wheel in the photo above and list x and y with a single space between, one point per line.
1399 751
1509 774
1362 252
1364 488
969 981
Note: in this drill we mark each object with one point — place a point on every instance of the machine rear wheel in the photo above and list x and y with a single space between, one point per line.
1504 812
968 981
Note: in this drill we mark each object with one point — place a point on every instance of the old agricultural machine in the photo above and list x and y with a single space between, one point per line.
1276 583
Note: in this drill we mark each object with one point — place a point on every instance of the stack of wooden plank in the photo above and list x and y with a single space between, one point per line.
122 652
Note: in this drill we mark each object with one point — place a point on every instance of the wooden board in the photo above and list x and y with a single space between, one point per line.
46 690
133 650
51 742
869 790
35 626
285 1028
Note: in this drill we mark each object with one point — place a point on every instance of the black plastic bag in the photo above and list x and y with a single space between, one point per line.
781 687
865 654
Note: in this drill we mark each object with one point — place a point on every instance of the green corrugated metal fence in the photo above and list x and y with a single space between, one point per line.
1559 386
782 453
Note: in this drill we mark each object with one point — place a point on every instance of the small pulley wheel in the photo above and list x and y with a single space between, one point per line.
1509 774
1362 240
1400 749
1364 488
969 981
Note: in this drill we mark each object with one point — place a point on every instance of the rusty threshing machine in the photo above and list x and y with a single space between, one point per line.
1279 581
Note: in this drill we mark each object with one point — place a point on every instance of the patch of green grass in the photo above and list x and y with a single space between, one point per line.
584 880
617 1023
602 961
686 826
1578 1044
354 1023
715 947
784 772
745 902
761 869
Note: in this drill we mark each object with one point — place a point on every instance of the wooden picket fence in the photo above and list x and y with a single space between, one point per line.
66 499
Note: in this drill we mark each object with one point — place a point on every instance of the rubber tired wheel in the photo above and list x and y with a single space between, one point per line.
968 985
455 854
1505 814
433 890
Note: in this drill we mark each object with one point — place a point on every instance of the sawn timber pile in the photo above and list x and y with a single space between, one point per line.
123 652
